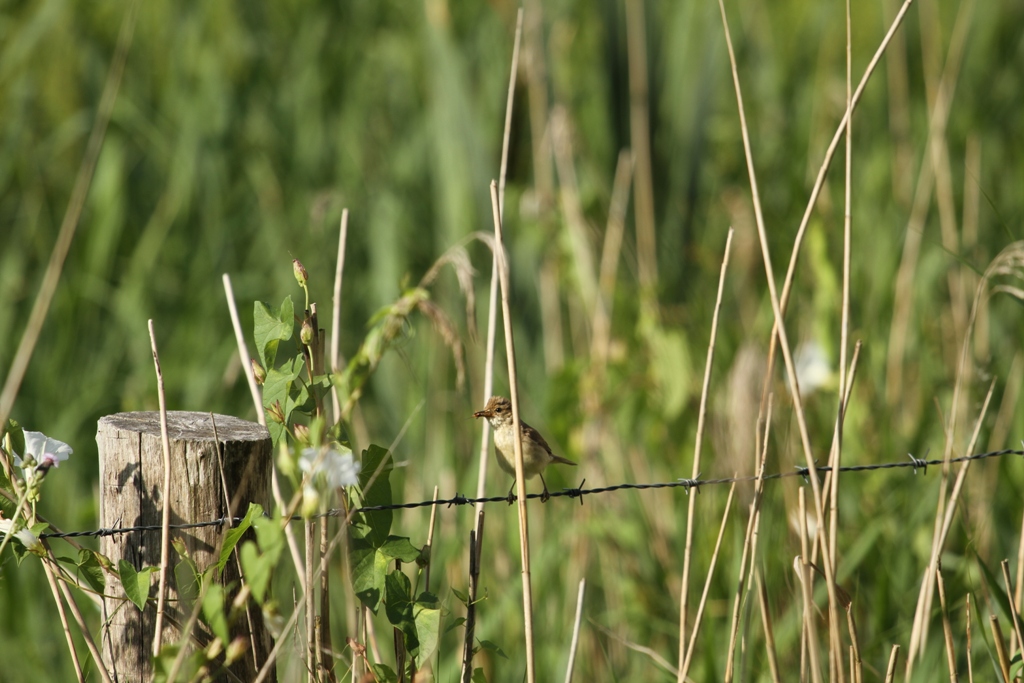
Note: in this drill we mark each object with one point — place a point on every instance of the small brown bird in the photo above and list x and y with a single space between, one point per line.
536 453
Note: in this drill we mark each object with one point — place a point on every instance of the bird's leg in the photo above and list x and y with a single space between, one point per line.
511 496
544 496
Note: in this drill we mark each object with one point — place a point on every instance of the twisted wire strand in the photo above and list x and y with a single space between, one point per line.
578 492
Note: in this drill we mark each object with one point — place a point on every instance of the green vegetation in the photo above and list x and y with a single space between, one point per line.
242 130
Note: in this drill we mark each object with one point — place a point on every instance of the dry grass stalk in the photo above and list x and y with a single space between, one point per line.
819 183
475 545
492 308
165 532
844 334
1008 263
946 627
805 576
701 418
766 622
851 375
780 329
275 486
1020 575
339 272
575 631
890 672
1014 614
967 612
640 142
684 669
57 600
902 301
513 385
856 665
83 629
1001 657
749 546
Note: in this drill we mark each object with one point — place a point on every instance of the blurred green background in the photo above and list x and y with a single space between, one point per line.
242 129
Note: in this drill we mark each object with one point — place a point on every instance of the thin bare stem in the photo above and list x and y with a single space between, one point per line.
803 572
83 629
1017 595
68 226
165 532
939 105
766 621
339 272
475 538
513 384
57 600
640 142
784 345
243 350
749 546
701 417
844 336
890 672
707 588
1001 657
946 628
970 667
1014 614
430 543
575 631
257 399
493 296
857 673
820 182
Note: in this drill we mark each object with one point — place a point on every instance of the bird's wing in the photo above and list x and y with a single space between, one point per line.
535 435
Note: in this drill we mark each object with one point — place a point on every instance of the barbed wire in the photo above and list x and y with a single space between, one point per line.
578 492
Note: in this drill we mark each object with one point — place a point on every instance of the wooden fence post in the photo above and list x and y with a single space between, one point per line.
131 479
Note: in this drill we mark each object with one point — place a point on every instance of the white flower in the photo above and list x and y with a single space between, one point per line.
5 526
29 540
337 468
46 452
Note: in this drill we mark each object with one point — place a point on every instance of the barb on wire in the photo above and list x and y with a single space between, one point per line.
919 462
458 499
690 484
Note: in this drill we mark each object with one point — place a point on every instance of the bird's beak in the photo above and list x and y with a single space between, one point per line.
483 413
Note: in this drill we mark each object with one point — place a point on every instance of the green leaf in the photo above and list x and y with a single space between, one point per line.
455 624
427 616
90 570
375 485
491 647
463 597
478 675
135 583
232 537
279 388
256 568
399 548
397 603
258 562
270 329
213 610
369 569
384 673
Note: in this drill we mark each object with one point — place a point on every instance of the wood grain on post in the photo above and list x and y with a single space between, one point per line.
131 479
